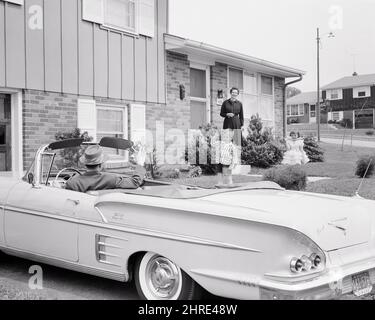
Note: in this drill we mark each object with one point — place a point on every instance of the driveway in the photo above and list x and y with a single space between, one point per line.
58 284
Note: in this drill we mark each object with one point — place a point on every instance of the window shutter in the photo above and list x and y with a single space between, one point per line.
147 17
138 123
93 10
87 117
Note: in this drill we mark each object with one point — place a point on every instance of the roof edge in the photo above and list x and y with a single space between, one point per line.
182 42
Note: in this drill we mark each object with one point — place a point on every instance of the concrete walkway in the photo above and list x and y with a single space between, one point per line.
349 142
309 179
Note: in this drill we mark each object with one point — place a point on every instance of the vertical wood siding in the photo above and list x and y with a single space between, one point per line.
100 62
34 46
70 55
128 74
86 58
15 45
140 70
114 65
52 46
70 45
2 41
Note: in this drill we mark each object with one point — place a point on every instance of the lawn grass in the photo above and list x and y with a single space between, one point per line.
339 167
337 164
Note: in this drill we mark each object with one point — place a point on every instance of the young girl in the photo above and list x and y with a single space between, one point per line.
295 153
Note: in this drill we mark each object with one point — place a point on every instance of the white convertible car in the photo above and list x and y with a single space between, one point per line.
257 241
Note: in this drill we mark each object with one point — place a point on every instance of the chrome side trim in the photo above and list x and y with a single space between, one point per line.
102 255
42 214
139 231
101 214
246 281
67 264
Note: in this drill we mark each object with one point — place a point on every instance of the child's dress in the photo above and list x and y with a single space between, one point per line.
295 154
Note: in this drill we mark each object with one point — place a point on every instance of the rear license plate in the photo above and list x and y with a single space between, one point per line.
361 284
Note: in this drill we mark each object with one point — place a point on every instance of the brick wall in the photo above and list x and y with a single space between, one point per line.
279 103
45 114
176 113
219 81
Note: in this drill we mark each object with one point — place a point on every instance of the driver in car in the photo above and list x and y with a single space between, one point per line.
95 179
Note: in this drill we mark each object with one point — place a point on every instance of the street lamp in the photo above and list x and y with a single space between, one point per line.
330 35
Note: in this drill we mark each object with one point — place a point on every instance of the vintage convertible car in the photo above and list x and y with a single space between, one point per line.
257 241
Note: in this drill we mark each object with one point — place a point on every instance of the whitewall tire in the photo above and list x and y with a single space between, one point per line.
158 278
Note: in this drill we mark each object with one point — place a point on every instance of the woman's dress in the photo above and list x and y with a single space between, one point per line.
295 154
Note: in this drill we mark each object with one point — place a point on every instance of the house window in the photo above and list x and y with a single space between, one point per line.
128 16
362 94
120 14
296 110
110 122
266 85
335 94
198 83
236 78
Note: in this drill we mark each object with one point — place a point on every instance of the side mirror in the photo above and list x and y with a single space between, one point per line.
30 178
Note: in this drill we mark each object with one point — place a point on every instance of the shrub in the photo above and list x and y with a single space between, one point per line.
365 163
290 177
70 157
370 132
203 140
312 149
260 149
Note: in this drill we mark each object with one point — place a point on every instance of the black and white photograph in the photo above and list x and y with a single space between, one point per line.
210 151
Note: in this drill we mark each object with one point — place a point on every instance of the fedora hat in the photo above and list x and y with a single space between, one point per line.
93 156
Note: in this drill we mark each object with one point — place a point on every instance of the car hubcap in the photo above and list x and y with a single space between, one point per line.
163 277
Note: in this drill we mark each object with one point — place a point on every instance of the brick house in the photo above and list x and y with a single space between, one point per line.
302 108
110 67
352 98
207 73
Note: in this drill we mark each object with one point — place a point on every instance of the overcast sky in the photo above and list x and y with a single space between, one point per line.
284 31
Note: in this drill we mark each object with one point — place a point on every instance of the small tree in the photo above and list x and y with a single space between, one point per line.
70 156
259 148
365 166
313 151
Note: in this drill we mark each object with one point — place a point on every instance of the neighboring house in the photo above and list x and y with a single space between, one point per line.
352 98
110 67
207 73
302 108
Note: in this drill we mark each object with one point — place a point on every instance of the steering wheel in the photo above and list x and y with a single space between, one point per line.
55 182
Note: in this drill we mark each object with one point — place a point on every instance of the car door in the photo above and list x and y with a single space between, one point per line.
43 221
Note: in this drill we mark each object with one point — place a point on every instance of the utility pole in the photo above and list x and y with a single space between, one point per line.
318 81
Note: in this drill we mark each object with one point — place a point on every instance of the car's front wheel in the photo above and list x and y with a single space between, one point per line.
158 278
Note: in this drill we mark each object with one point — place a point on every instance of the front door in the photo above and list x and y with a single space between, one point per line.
312 114
199 97
5 133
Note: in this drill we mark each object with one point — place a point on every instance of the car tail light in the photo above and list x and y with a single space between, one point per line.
296 265
305 263
316 260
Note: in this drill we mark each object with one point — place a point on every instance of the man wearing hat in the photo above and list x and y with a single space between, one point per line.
94 179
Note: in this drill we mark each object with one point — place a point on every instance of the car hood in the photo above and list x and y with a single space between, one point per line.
331 222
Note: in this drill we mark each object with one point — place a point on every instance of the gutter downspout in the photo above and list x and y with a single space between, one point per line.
285 123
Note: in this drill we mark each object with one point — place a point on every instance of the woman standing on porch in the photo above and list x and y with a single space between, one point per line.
232 111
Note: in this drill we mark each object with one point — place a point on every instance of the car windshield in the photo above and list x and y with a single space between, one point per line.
52 162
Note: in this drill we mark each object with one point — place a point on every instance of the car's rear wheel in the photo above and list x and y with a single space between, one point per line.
158 278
